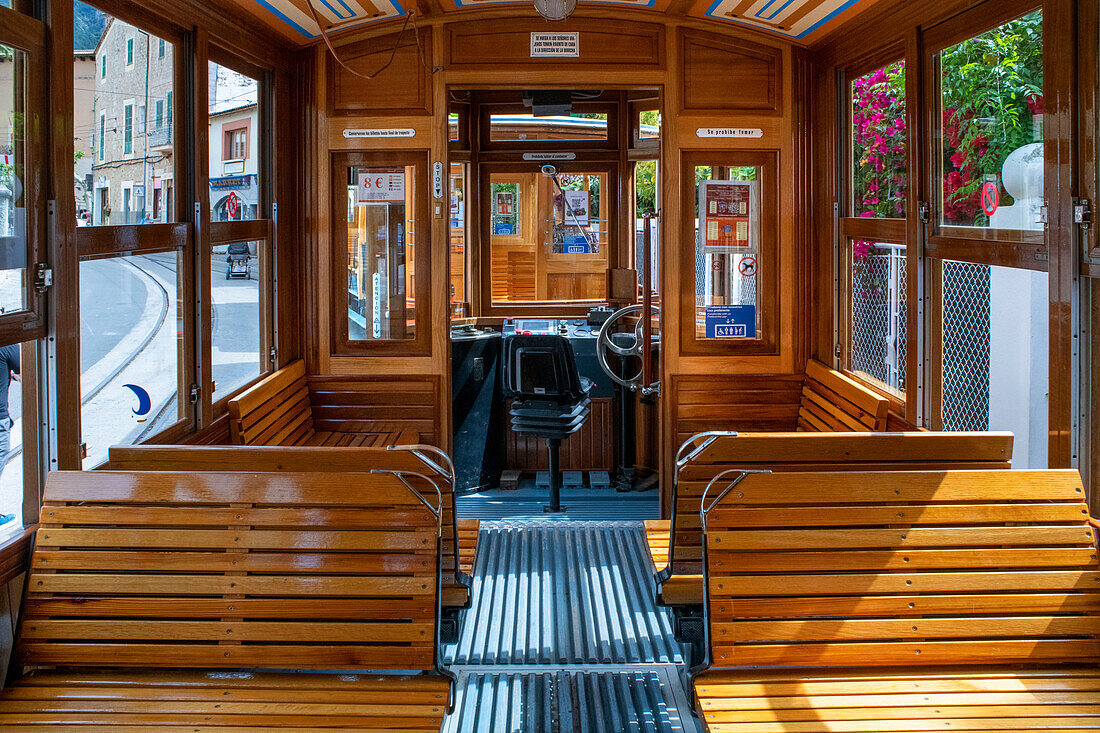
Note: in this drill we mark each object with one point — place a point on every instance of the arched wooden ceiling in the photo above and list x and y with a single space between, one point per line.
797 20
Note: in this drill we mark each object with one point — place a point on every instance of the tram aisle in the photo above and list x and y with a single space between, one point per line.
563 634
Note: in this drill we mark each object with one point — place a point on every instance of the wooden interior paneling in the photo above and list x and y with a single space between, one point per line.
752 403
403 87
724 74
362 404
476 44
592 448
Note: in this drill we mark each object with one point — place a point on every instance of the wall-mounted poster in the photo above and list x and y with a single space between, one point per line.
727 215
505 203
576 208
378 185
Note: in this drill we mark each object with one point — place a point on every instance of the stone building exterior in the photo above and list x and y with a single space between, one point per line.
132 165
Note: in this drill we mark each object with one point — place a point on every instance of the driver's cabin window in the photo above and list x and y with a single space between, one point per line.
549 236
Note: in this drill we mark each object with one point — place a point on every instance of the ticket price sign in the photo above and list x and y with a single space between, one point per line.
381 186
727 215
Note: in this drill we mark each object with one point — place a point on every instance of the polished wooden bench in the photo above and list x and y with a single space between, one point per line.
458 556
675 545
212 578
833 402
278 410
923 601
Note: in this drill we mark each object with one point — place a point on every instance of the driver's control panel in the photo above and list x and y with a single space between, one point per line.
570 328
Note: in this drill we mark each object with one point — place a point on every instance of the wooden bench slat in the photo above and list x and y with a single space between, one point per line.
976 536
244 539
281 631
199 585
303 563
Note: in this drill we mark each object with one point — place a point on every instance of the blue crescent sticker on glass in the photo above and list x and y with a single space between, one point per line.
144 403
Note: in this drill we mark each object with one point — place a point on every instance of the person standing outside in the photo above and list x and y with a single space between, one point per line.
9 372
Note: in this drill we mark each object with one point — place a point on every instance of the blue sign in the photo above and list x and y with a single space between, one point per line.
731 321
505 228
577 244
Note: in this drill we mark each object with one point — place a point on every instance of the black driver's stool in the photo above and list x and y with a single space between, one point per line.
549 397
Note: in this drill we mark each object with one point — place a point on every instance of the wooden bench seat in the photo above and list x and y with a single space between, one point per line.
211 576
833 402
705 456
278 410
907 601
458 556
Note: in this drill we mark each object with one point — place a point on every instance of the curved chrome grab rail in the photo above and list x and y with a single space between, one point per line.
419 449
708 436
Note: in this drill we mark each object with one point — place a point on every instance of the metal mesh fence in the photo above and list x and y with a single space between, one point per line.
965 360
879 311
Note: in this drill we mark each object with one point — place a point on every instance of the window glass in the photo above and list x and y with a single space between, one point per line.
549 236
17 387
727 252
234 120
574 126
237 348
381 253
879 174
649 124
995 355
877 313
13 178
124 155
130 347
457 216
991 106
452 127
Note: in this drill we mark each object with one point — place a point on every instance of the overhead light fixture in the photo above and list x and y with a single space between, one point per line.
555 9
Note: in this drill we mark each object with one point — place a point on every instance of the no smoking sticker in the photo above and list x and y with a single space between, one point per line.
991 198
747 266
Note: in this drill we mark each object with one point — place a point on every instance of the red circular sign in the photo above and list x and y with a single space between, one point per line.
716 265
747 266
991 198
232 205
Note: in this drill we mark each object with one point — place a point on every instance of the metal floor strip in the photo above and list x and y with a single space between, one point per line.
571 702
556 592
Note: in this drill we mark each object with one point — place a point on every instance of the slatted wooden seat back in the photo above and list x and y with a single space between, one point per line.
833 402
274 411
709 455
279 410
902 569
237 570
457 560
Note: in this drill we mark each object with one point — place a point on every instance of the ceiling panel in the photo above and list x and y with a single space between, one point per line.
796 19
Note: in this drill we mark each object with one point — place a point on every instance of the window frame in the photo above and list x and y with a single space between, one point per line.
1025 249
581 164
893 230
340 162
768 315
262 228
28 35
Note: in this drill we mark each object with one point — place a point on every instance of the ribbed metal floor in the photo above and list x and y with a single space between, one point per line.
570 702
580 504
556 592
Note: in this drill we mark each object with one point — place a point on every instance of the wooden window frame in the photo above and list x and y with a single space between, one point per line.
262 228
178 234
1088 25
1026 249
893 230
768 315
28 35
340 162
484 270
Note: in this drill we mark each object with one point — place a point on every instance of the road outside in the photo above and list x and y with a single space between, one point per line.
130 334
